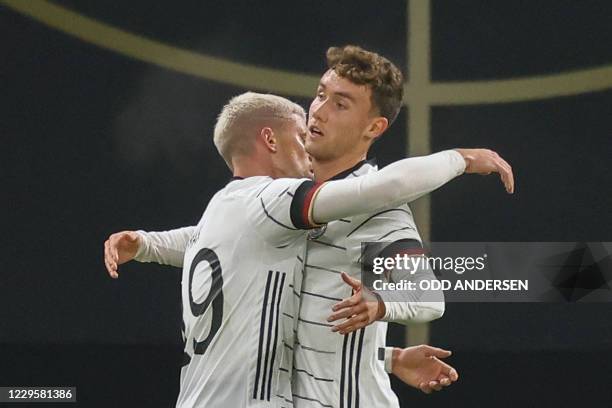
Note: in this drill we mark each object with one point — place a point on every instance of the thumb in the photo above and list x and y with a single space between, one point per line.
435 352
354 283
131 236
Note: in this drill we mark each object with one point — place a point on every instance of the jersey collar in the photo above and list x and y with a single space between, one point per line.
345 173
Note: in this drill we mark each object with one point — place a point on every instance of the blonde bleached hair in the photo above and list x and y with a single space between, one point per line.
237 123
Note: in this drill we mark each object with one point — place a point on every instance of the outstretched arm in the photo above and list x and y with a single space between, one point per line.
166 248
402 182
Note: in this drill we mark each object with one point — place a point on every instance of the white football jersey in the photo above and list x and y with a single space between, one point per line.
331 370
237 295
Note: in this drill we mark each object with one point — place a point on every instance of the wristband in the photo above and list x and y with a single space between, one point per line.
386 354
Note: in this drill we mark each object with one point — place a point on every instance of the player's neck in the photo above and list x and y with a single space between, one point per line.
325 170
245 168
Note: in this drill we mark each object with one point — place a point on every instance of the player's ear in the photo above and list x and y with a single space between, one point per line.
269 139
376 127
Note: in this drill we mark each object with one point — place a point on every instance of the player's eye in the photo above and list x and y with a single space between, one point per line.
320 95
341 105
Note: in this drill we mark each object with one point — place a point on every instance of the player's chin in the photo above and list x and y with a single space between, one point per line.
312 143
319 150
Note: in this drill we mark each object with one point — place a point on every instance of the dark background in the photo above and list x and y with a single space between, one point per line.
94 142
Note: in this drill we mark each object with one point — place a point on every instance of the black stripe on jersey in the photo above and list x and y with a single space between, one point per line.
302 198
315 323
288 315
300 259
278 300
284 191
343 372
262 190
376 215
288 346
344 220
300 370
313 400
323 269
395 230
404 245
283 397
358 365
401 246
328 244
303 347
273 219
350 371
185 360
262 326
321 296
269 338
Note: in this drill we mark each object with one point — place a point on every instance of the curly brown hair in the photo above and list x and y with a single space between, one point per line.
364 67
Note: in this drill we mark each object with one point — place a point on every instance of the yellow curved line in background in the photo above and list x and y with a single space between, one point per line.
289 83
162 54
513 90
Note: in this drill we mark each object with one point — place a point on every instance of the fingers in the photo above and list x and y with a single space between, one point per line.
434 385
445 381
425 388
114 244
110 261
510 174
131 236
504 169
505 172
345 313
353 315
348 302
354 283
430 386
354 323
435 351
447 371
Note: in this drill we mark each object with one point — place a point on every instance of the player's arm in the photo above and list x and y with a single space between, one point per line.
164 247
392 231
419 366
400 182
417 305
364 307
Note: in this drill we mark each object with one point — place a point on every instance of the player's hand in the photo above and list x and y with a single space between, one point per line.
120 248
485 161
420 367
360 309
